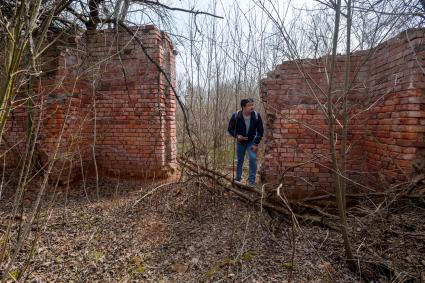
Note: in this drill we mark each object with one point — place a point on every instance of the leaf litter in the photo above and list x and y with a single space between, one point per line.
180 233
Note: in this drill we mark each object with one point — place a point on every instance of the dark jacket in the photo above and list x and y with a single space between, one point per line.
237 127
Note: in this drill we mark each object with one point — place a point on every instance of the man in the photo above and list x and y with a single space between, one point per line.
246 127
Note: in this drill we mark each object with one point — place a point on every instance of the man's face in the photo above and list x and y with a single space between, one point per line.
249 107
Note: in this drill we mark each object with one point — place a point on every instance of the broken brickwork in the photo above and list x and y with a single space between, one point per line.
386 104
102 106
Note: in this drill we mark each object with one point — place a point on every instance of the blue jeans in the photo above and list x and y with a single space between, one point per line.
241 149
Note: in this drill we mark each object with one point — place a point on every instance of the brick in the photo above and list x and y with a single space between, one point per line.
404 136
412 114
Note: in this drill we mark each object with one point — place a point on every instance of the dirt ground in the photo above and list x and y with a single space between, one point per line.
189 233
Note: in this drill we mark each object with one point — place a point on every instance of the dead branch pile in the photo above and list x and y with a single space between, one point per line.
317 209
321 210
266 199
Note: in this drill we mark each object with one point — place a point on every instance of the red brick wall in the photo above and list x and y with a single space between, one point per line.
136 107
105 105
386 106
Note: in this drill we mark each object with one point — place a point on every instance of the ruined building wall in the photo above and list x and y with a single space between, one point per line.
135 104
385 103
103 106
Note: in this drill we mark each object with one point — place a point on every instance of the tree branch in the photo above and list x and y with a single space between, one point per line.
196 12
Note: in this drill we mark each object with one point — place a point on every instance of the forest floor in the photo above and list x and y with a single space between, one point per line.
189 233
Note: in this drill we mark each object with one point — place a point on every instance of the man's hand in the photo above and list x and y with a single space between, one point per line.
254 148
241 138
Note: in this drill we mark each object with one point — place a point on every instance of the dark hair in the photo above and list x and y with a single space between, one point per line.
245 101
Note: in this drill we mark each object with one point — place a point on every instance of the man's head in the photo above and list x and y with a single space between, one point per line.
247 105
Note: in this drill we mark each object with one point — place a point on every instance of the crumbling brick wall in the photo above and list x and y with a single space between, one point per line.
103 106
385 103
136 133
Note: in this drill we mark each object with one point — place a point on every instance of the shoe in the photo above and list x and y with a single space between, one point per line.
238 182
251 185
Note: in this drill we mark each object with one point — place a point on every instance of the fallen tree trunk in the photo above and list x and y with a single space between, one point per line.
315 209
311 209
254 196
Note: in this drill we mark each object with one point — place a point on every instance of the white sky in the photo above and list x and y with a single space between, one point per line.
222 8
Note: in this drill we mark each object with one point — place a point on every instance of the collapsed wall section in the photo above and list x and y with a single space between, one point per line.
53 110
386 117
